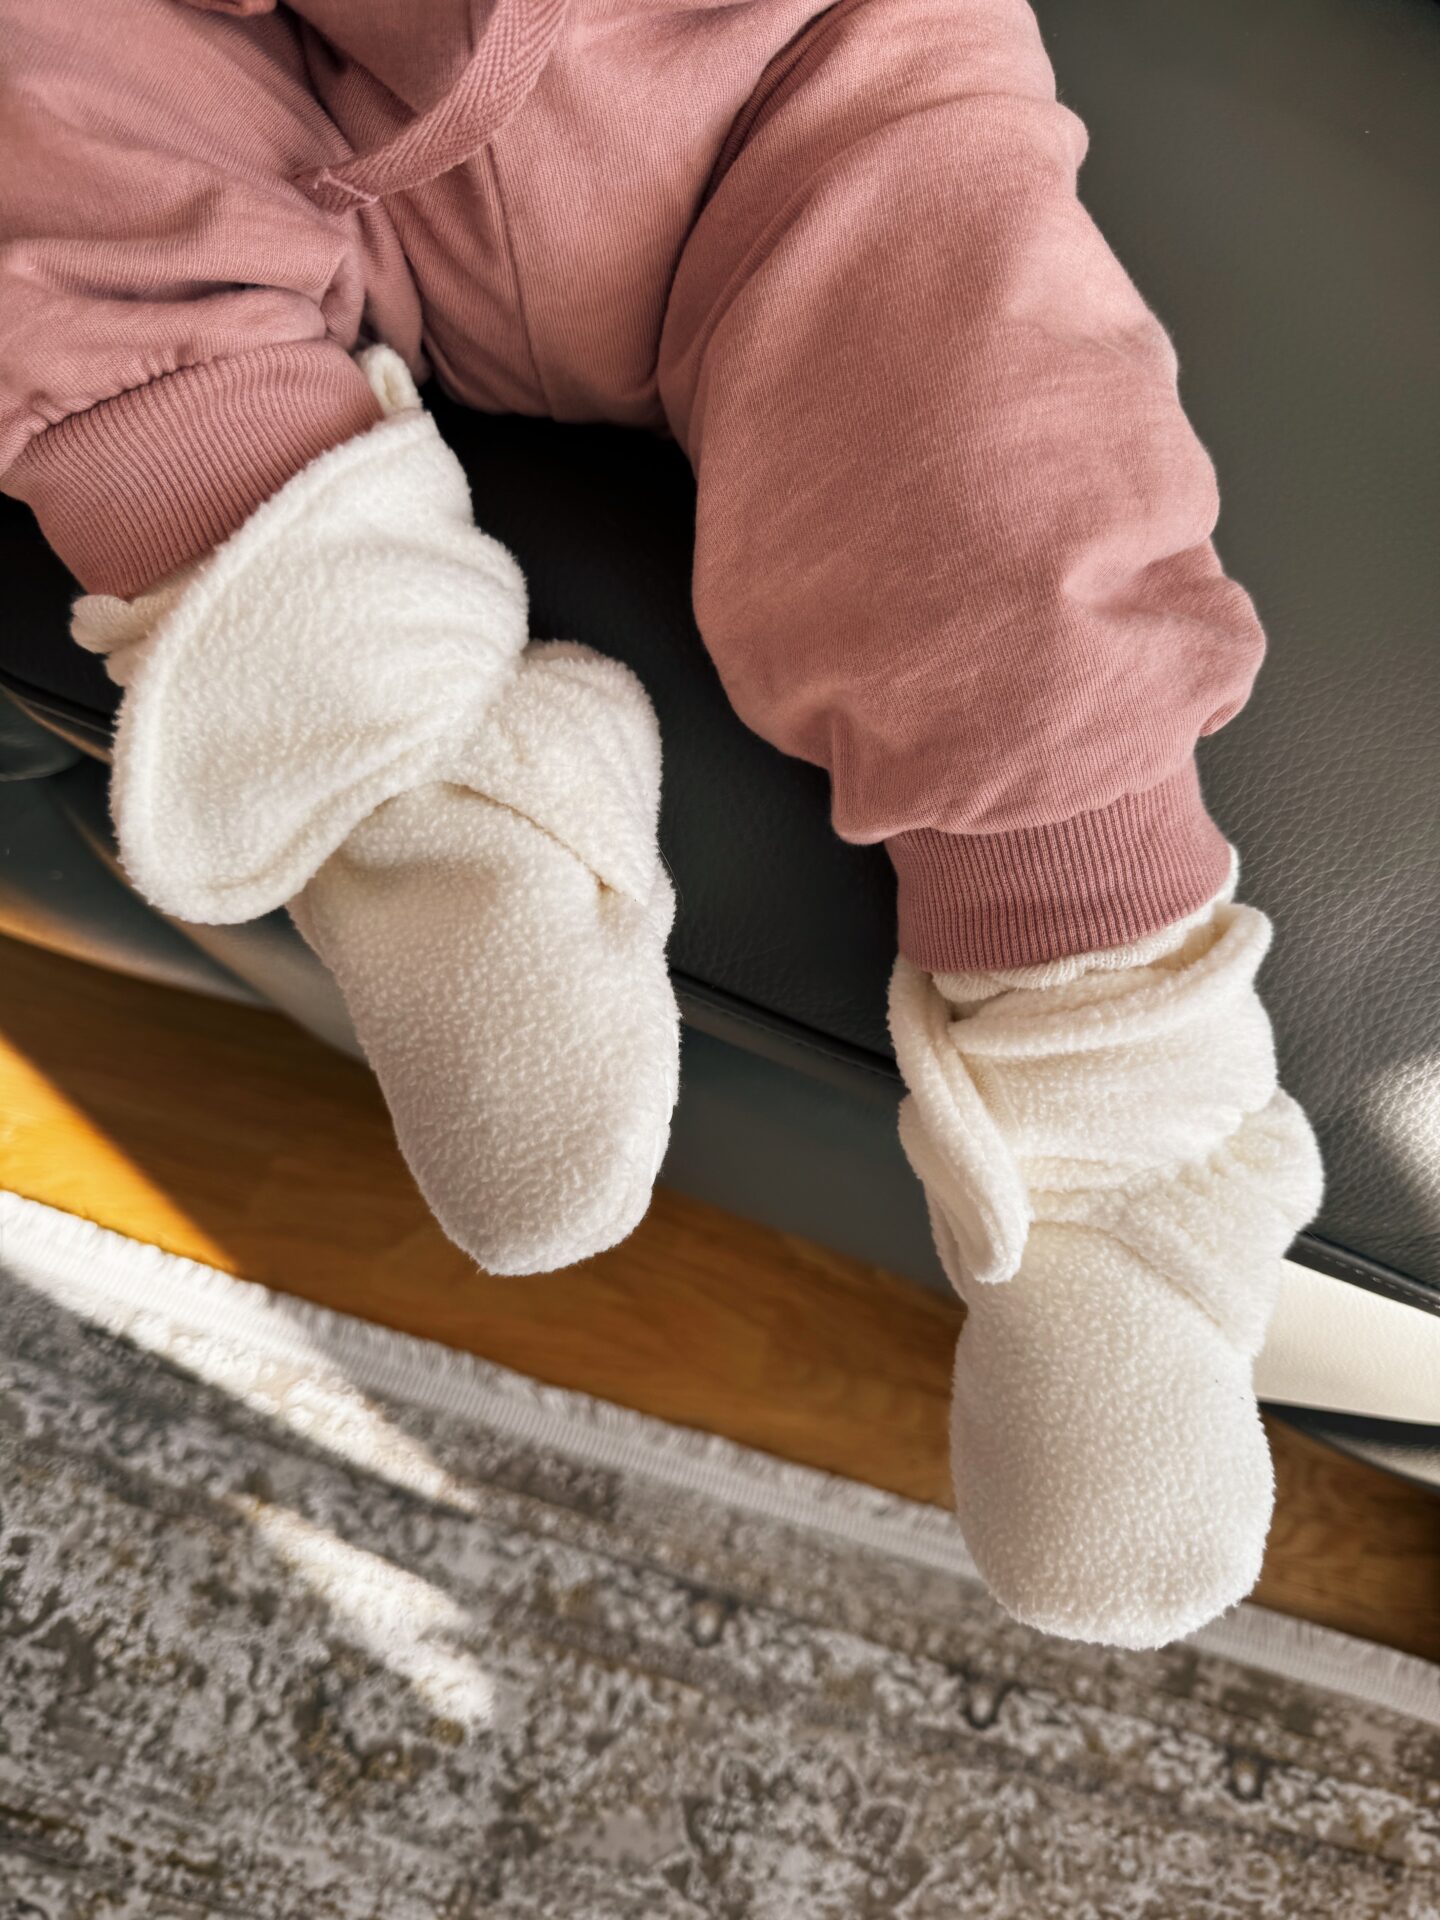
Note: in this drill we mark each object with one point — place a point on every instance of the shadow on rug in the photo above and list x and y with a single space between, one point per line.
303 1618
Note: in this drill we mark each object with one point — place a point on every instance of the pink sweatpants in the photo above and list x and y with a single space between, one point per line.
953 534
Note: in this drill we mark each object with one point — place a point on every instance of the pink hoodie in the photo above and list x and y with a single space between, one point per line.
953 528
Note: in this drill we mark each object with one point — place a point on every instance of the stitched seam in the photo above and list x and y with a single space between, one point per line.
521 306
1354 1274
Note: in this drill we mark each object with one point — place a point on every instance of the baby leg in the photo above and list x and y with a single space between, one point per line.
953 539
954 546
329 703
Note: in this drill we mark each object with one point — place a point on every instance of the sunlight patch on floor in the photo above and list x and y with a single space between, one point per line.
412 1628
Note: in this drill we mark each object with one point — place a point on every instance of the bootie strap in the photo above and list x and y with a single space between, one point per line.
342 647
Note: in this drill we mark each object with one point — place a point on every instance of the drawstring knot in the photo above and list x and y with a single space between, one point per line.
510 54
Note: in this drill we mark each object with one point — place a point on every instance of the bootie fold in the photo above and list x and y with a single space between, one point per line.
338 712
1113 1176
499 938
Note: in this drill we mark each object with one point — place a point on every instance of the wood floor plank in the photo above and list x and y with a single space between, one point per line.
225 1134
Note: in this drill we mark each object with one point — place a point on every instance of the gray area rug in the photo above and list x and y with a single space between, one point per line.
302 1618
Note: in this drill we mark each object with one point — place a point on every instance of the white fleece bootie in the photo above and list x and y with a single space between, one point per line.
499 937
338 712
1113 1178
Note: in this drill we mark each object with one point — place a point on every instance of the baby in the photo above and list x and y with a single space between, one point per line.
952 544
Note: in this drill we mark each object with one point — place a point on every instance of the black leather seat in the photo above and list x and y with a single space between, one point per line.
1267 176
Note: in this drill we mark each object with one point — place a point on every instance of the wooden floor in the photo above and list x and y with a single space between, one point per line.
225 1134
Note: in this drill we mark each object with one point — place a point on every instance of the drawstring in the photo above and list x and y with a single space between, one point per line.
509 57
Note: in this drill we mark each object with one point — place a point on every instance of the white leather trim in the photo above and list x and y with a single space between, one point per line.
1337 1346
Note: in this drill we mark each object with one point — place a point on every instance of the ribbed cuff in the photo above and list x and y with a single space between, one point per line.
138 486
974 902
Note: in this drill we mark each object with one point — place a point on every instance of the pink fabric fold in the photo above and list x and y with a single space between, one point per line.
953 536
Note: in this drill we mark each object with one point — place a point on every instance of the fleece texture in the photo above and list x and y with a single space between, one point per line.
342 647
339 712
1113 1176
953 529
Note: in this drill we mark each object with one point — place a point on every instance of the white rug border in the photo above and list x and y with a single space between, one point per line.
84 1267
